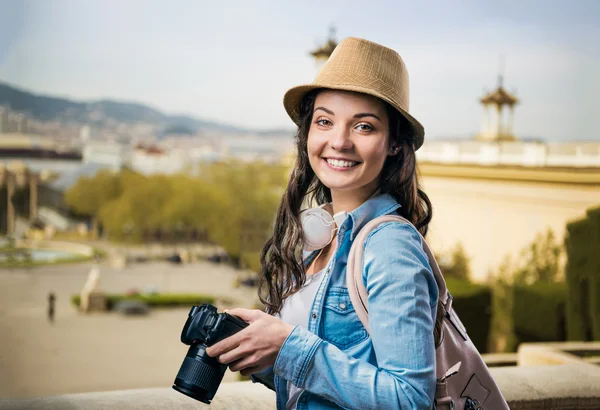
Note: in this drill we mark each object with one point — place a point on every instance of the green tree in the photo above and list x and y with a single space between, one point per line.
541 260
251 194
234 202
139 207
89 194
502 334
456 263
194 204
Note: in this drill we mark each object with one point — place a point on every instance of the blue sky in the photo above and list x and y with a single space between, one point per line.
232 61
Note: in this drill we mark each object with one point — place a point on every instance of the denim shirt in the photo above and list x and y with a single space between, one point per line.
336 361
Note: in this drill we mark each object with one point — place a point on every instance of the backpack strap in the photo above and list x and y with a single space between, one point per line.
354 280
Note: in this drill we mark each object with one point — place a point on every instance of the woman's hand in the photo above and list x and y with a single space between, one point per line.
254 348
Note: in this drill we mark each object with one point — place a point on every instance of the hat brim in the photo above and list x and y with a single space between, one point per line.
293 97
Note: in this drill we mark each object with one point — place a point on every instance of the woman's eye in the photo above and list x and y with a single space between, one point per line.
365 127
323 122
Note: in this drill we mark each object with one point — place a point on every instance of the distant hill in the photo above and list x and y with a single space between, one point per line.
47 108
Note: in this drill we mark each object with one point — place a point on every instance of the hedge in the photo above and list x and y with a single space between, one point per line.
165 300
472 303
251 260
582 244
539 312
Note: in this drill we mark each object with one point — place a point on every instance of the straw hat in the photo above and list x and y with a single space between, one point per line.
365 67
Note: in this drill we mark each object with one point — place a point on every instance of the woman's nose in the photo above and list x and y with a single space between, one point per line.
340 140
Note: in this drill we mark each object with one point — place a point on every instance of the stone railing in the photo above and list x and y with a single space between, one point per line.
518 153
571 383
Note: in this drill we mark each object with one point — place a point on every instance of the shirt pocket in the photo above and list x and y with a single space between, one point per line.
341 325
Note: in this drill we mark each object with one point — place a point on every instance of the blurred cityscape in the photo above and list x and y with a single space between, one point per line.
175 207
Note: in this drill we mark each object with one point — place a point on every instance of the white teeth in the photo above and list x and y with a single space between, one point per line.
340 163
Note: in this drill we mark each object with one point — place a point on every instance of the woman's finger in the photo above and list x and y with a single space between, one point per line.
224 345
246 315
243 363
232 355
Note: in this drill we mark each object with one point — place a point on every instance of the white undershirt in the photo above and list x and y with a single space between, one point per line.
295 311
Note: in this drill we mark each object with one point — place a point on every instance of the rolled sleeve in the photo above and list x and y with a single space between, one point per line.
265 377
296 354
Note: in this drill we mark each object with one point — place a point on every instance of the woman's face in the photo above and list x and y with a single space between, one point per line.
348 141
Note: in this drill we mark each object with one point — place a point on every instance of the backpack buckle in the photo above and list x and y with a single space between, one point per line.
450 372
448 304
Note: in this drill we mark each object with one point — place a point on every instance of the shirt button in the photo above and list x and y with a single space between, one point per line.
314 316
342 306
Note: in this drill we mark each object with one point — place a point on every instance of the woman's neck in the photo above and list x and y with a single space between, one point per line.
349 200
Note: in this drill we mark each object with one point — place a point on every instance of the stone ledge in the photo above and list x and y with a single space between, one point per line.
231 396
552 353
567 386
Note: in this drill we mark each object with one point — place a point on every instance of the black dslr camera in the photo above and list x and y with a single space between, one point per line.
200 375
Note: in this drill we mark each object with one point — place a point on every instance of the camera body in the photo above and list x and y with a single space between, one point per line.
200 375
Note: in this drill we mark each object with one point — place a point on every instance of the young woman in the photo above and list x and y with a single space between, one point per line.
356 147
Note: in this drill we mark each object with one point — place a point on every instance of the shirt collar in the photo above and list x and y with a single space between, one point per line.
372 208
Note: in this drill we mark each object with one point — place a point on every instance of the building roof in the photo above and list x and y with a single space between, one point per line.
499 97
325 50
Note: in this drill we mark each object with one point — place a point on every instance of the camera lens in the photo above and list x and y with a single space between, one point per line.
200 375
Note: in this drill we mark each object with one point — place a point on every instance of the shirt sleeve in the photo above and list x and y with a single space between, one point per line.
265 377
402 304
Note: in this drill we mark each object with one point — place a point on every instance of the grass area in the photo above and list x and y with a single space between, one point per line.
72 236
30 263
161 300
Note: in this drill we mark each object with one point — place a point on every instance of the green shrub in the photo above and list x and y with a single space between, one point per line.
583 279
539 312
251 260
472 303
455 263
159 300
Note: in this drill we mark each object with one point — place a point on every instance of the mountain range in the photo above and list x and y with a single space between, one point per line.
105 112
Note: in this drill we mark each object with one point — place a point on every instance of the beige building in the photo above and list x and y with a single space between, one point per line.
497 211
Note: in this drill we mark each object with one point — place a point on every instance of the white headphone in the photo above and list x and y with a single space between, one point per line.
319 227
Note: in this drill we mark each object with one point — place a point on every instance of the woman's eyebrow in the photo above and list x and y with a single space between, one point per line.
324 109
359 115
366 114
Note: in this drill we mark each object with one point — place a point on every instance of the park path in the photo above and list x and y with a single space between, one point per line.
98 352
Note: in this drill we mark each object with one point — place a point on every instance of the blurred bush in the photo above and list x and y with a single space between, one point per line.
540 261
159 300
582 244
472 303
533 277
231 204
251 260
455 264
538 312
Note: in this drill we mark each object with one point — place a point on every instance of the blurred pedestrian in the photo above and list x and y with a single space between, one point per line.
51 303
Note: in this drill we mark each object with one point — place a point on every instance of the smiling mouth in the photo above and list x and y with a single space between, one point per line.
338 163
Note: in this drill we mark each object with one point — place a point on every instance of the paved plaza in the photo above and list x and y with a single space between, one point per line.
98 352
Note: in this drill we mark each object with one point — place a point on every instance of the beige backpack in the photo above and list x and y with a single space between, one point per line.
463 379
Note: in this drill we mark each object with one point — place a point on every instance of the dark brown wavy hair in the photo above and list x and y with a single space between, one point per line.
283 272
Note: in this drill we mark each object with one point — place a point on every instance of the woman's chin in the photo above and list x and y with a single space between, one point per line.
339 185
